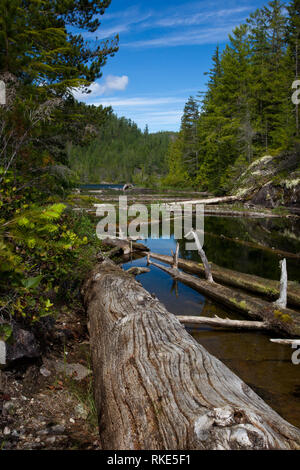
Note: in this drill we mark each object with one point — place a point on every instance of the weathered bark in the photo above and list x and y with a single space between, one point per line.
249 282
224 323
280 320
156 388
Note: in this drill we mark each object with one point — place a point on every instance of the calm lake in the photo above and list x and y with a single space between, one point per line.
264 366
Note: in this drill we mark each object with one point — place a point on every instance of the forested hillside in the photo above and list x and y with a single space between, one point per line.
120 152
247 111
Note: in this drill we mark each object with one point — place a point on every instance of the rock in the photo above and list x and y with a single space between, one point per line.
271 181
57 429
76 371
7 406
45 372
72 421
6 431
43 432
24 346
127 186
51 440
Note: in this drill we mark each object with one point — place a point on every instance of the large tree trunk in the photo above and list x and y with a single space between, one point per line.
157 388
248 282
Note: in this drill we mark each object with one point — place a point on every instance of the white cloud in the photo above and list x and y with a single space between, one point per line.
111 83
114 83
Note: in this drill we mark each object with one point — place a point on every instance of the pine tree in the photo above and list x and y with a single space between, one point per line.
293 40
189 123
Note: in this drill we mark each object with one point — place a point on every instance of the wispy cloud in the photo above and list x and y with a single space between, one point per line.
199 18
135 20
138 101
190 37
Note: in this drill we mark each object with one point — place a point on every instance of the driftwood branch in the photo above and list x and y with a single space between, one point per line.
175 256
202 254
157 388
224 323
282 301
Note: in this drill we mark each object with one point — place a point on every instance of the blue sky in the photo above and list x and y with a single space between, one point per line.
165 49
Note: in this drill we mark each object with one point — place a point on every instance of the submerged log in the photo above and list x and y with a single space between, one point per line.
156 388
249 282
256 246
280 320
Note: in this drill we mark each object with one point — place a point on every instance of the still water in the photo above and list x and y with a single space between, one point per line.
266 367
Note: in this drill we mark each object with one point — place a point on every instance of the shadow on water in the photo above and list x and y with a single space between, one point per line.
266 367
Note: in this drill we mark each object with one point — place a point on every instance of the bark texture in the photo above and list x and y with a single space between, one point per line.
157 388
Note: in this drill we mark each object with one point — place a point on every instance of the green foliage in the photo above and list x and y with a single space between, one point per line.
45 251
120 152
247 111
38 46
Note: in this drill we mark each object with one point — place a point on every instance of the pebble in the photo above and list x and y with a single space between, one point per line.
6 431
45 372
72 420
57 429
7 406
42 432
51 440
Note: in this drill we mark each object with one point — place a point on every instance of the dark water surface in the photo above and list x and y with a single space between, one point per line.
88 187
266 367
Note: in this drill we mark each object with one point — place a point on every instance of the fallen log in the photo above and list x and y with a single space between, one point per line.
136 271
156 388
209 201
248 282
280 320
288 342
109 254
127 246
224 323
